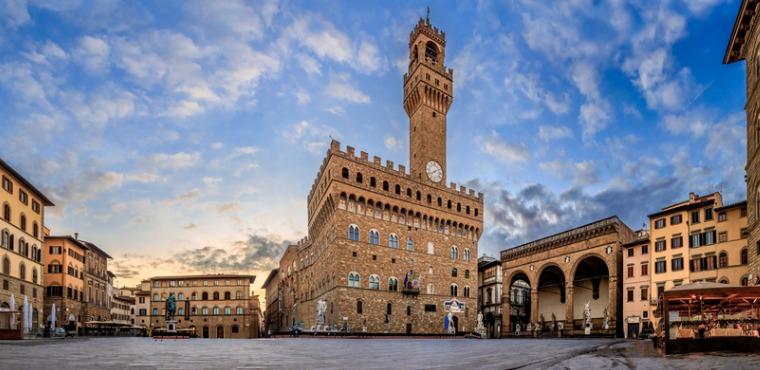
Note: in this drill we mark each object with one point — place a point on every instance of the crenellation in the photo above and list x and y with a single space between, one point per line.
364 156
350 151
402 169
377 161
389 164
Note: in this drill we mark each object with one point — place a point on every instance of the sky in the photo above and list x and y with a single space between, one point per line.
184 136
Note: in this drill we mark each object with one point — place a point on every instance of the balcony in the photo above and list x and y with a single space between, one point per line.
410 291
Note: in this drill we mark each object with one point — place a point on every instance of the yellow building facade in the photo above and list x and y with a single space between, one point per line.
696 240
21 239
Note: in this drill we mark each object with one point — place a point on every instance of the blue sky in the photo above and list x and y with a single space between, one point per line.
184 136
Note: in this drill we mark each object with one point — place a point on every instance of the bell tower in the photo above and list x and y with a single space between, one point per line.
428 92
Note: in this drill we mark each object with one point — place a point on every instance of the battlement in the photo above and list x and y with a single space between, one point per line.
388 167
424 27
303 243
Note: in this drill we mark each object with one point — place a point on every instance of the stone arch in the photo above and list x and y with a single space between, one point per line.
519 299
591 284
550 285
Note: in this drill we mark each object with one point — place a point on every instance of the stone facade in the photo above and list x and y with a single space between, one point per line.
211 306
566 271
272 309
64 278
97 279
744 44
389 251
21 240
490 283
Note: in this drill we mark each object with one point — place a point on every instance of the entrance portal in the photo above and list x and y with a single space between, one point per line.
205 331
220 331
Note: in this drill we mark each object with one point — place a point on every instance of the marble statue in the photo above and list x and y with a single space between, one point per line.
321 308
587 314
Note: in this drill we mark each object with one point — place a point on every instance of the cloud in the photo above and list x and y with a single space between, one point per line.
503 151
302 96
550 133
14 13
312 137
255 253
93 53
340 88
393 143
581 173
84 187
174 160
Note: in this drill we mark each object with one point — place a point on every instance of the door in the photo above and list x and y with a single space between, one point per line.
220 331
633 331
408 329
456 324
205 331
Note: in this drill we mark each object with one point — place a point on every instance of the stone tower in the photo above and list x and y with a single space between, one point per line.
428 92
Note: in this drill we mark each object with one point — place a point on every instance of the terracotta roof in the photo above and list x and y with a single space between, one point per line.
26 183
95 248
684 207
740 204
739 32
69 238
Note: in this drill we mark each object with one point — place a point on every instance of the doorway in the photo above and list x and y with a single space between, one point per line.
633 331
220 331
456 324
409 329
205 331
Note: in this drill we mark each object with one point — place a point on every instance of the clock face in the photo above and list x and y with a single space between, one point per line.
434 171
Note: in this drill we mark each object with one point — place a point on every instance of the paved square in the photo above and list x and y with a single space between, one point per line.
323 353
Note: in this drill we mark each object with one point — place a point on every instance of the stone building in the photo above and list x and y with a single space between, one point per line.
695 240
21 241
744 44
97 280
64 278
272 309
390 250
489 294
565 272
636 284
142 304
123 309
213 306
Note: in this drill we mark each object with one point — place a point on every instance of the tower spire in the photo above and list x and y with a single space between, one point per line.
427 16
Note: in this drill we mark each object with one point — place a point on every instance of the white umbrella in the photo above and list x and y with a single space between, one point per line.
26 315
52 317
13 311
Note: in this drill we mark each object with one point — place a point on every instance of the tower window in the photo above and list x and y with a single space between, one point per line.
419 195
431 52
359 177
408 192
344 173
398 189
372 182
434 114
440 202
385 185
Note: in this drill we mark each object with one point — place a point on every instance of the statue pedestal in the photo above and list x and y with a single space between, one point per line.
171 327
587 329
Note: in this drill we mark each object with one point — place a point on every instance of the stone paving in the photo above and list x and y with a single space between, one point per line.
328 353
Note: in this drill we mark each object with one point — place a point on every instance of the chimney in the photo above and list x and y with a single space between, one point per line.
76 236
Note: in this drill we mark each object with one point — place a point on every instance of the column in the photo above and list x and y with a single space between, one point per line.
613 308
506 308
534 305
569 321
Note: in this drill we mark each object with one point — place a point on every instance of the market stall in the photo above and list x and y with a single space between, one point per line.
704 316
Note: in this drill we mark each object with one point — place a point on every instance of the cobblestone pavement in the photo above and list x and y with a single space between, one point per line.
323 353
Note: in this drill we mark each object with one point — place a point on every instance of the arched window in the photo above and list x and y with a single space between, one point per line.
353 232
429 199
238 295
156 298
6 266
204 311
344 173
476 212
466 274
430 248
359 177
7 212
6 239
724 281
228 311
34 275
181 311
454 252
393 284
409 192
389 309
410 244
385 185
454 272
239 310
359 307
215 311
374 237
419 195
22 271
227 295
22 222
430 288
466 254
372 182
393 241
398 189
440 202
35 230
180 296
353 280
723 260
431 52
454 289
744 281
744 255
467 292
204 296
216 296
374 282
